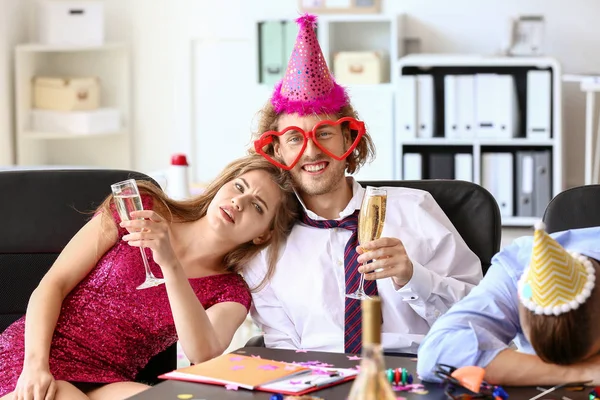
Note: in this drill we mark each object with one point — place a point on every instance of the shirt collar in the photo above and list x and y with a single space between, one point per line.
354 204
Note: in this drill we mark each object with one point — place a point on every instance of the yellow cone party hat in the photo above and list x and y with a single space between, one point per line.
556 281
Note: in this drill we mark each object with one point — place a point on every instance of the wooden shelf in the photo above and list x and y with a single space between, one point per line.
43 48
66 135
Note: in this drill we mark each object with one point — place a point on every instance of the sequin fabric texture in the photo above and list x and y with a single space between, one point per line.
107 330
307 77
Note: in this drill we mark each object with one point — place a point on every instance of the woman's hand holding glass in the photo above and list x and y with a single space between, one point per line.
149 229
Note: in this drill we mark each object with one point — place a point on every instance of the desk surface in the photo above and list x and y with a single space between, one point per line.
170 389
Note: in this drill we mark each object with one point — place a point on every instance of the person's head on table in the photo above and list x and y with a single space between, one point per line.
558 302
541 292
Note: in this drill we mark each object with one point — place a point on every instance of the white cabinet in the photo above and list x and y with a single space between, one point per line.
519 167
111 64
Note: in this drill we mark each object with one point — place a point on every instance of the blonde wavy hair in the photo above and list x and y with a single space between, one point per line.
193 209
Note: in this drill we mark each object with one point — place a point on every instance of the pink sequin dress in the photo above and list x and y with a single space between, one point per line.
107 330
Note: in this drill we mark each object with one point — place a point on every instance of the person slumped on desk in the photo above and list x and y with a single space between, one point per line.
422 265
88 331
541 293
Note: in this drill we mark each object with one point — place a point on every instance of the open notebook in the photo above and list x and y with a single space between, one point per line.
255 373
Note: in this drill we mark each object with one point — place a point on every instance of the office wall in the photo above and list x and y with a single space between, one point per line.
13 23
165 33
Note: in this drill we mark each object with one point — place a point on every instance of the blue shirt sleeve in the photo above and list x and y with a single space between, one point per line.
481 325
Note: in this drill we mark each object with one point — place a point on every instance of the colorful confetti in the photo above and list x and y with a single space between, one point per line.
255 356
268 367
236 358
237 367
295 382
231 387
301 351
353 358
290 367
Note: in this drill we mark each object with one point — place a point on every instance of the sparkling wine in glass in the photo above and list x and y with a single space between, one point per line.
370 224
127 199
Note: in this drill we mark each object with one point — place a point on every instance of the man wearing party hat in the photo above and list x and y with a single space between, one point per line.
421 266
541 293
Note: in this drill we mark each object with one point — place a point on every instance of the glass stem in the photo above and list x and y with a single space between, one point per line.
146 265
361 286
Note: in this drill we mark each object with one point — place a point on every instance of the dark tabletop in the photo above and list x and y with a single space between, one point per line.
171 389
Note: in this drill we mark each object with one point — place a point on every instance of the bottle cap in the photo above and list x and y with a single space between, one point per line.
179 159
371 320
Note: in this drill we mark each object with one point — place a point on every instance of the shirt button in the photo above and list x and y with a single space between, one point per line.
340 263
437 313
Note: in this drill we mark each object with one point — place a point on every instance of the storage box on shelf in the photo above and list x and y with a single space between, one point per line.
45 135
367 43
496 121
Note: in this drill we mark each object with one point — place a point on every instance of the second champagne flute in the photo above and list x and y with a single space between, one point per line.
127 199
370 225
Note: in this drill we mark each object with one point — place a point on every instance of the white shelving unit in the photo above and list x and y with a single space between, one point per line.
439 65
111 64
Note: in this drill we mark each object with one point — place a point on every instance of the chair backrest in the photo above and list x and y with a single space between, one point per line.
471 208
40 211
574 208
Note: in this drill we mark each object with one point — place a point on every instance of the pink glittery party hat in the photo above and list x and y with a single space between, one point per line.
308 87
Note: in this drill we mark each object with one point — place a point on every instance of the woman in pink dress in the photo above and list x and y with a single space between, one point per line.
88 331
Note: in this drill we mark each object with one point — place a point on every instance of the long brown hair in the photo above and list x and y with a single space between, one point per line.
363 153
196 208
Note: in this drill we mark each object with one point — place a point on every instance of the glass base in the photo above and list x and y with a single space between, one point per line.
150 282
358 295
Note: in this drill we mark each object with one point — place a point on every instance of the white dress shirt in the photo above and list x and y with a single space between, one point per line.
302 307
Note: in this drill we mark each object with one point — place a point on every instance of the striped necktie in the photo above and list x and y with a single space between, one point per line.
352 323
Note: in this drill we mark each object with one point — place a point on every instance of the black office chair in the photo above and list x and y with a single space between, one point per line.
574 208
40 211
472 210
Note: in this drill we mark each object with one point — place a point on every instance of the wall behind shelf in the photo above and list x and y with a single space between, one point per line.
13 30
163 33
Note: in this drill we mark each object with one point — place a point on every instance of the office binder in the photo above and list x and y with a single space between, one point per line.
451 105
441 166
539 104
542 182
466 106
506 107
272 64
412 167
497 177
463 167
425 110
406 107
525 176
485 100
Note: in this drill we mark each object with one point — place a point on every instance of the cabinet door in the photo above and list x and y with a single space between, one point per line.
374 105
226 100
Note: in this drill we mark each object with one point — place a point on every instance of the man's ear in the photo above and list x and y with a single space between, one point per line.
265 237
276 149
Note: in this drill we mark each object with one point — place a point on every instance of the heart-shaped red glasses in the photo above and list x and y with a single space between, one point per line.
325 135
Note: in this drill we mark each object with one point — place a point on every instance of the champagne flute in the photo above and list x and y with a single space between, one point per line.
370 224
127 199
